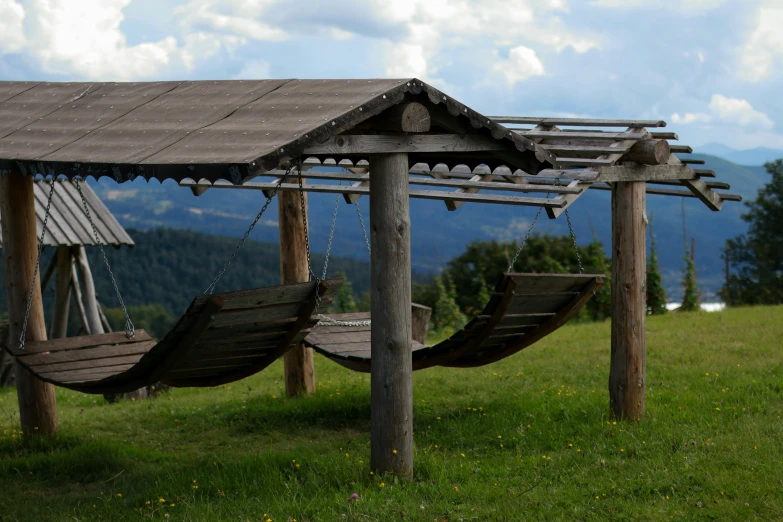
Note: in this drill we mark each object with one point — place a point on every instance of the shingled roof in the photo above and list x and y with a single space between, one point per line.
68 224
203 129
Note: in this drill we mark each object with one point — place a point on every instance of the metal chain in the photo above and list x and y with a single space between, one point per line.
269 199
130 330
328 321
23 335
573 240
331 234
524 241
364 230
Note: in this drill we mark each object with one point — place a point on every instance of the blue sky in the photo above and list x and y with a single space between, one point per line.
713 69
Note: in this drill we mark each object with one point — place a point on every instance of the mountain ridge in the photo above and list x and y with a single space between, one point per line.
437 234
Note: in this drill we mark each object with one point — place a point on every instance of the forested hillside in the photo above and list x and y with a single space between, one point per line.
438 235
170 267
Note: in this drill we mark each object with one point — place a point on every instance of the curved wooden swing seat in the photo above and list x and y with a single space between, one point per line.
523 309
221 338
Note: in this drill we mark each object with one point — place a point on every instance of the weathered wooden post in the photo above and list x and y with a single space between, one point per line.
627 375
37 404
391 337
298 361
62 293
89 299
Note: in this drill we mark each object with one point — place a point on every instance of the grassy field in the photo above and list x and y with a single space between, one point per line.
528 438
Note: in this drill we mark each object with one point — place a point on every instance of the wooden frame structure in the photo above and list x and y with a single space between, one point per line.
68 232
393 137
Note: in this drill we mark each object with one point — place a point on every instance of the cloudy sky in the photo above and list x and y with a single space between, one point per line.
712 68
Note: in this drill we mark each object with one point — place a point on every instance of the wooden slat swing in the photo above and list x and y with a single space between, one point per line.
523 309
220 338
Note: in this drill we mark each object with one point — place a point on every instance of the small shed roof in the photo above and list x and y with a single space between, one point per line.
201 129
68 224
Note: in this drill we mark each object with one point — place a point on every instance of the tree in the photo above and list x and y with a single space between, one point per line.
757 256
483 262
656 294
447 314
345 301
690 297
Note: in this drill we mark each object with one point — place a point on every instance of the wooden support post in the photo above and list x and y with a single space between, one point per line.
37 403
391 337
90 301
62 293
627 375
420 322
298 363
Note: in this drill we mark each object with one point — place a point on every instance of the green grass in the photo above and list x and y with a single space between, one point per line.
528 438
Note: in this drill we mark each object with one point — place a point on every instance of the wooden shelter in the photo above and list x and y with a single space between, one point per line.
224 133
68 232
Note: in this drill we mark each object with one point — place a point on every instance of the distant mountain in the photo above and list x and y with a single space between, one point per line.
438 234
757 156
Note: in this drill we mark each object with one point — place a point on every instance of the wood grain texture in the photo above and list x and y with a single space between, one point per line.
37 403
645 173
581 122
392 144
627 374
89 299
62 293
420 322
649 152
298 363
391 376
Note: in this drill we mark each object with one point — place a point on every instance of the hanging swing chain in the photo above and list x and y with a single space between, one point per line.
573 240
241 242
130 330
323 319
364 230
37 266
524 241
331 235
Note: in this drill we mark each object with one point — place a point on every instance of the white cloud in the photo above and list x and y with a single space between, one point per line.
522 63
765 44
739 111
688 6
254 70
725 110
11 26
419 35
83 38
243 18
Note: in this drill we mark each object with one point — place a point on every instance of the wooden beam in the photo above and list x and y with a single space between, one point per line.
627 375
645 173
583 162
420 322
584 135
37 403
420 194
681 149
391 448
298 363
582 122
404 117
518 185
77 297
390 144
665 135
593 150
89 299
476 181
649 152
62 293
700 189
